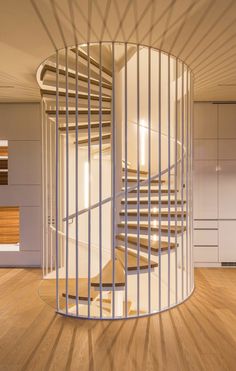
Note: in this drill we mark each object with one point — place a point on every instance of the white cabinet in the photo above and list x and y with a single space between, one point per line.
205 120
214 187
205 237
227 121
227 241
205 254
227 190
205 149
227 149
205 190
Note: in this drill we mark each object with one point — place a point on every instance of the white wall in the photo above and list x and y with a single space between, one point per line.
20 124
154 99
214 183
83 190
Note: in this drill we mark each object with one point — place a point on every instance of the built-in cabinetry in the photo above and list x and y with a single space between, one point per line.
214 183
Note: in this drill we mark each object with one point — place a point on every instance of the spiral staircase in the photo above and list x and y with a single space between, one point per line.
151 214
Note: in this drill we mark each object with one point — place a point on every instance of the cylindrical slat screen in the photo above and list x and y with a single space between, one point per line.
117 174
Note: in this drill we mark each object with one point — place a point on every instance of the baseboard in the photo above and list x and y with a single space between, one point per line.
207 265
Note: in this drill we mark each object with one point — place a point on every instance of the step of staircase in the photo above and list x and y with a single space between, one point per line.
107 306
154 215
157 201
94 140
72 94
135 180
81 111
135 171
82 290
93 62
133 259
84 126
155 245
165 230
145 189
145 213
72 74
107 274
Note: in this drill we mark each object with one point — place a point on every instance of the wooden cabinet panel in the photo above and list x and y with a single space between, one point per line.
9 225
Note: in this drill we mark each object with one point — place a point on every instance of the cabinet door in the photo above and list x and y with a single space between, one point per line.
227 121
205 149
205 190
227 189
227 149
227 241
205 120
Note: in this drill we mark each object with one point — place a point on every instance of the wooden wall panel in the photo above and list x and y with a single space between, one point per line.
9 225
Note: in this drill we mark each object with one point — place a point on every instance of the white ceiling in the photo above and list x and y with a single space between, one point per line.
200 32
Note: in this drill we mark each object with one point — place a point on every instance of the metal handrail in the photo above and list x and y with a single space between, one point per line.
122 193
73 239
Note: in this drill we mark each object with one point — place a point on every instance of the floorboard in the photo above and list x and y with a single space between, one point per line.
197 335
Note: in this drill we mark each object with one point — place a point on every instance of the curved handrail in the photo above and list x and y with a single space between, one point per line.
130 189
122 193
73 239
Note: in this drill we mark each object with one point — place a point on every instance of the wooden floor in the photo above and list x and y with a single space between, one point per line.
197 335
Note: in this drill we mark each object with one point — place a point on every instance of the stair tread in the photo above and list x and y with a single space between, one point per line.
72 94
132 259
107 307
72 74
107 272
135 171
144 189
152 201
82 290
93 139
81 111
144 226
153 213
155 245
84 55
93 125
134 312
135 179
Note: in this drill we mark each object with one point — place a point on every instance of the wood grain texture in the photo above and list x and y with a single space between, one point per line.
9 225
197 335
132 260
143 241
3 150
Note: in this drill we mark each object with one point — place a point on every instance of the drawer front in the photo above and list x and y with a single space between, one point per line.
206 224
205 237
205 254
